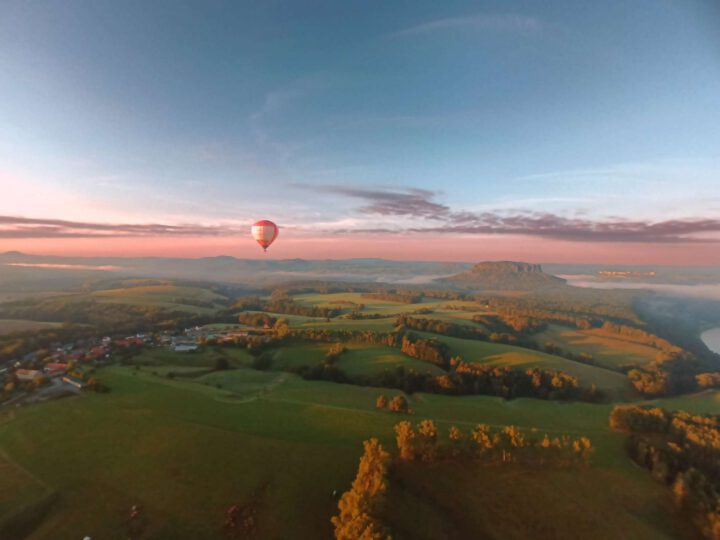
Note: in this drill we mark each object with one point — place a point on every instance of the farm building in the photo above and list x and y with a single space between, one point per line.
28 374
55 368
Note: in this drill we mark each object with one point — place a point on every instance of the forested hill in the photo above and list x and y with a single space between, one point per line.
503 276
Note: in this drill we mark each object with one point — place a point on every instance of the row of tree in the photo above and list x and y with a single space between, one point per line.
490 445
361 509
639 335
681 450
398 404
461 378
281 302
394 295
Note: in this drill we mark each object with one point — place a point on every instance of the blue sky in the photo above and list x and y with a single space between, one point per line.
213 113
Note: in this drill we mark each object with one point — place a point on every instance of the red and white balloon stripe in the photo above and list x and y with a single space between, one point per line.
264 232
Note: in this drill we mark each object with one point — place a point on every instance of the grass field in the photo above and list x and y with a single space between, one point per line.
187 450
496 354
186 442
19 489
356 360
345 300
165 296
8 326
607 348
707 402
205 357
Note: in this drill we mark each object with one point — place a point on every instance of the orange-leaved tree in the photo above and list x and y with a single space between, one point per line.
359 508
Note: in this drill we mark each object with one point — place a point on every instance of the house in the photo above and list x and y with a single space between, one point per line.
54 369
97 352
28 374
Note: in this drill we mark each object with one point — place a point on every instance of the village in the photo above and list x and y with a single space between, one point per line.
66 369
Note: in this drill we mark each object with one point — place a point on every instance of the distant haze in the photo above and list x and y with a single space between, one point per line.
691 291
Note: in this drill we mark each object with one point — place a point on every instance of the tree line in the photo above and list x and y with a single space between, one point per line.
490 445
403 297
281 302
362 509
681 450
460 377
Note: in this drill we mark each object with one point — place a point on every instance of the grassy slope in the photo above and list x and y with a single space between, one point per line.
194 451
8 326
516 357
357 360
611 350
707 402
203 358
164 296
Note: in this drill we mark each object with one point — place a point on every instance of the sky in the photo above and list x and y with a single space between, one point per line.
558 131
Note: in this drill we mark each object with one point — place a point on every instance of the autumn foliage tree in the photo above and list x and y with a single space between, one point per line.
360 507
681 450
381 401
399 404
406 440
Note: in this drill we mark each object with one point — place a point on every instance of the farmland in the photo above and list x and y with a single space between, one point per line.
168 296
186 435
495 354
608 349
8 326
197 448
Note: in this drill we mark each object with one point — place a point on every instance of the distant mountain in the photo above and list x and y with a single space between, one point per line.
504 276
18 270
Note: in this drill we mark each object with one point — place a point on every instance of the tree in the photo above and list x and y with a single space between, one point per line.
406 439
427 438
483 438
381 402
399 404
281 327
359 507
457 439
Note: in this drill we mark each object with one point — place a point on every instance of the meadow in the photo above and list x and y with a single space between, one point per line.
497 354
9 326
168 296
186 441
606 348
188 448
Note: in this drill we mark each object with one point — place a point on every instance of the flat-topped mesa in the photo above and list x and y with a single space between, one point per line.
505 275
507 266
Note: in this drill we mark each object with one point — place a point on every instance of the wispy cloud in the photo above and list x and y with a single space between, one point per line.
408 211
410 202
420 205
22 227
479 22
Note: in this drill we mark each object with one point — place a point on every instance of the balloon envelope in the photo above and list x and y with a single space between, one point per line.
264 232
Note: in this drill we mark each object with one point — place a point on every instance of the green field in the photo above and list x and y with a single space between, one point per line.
166 296
186 450
186 442
386 307
707 402
205 357
496 354
356 360
8 326
609 349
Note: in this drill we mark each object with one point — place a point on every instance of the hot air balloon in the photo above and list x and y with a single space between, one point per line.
264 232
